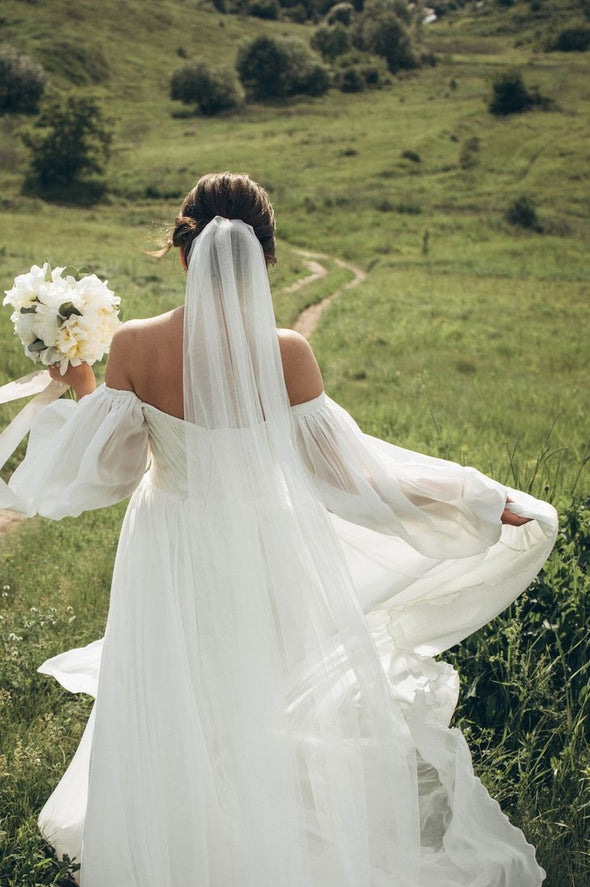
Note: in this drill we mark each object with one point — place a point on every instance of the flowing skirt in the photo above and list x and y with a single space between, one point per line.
185 776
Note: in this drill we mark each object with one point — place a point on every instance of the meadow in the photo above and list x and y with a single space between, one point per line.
468 339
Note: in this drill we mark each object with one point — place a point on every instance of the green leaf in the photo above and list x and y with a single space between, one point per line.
70 271
48 273
66 309
37 345
31 310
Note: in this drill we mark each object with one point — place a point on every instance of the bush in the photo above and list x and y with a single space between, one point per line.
342 13
331 40
350 79
382 32
212 89
276 67
74 139
510 95
522 213
571 40
22 82
267 9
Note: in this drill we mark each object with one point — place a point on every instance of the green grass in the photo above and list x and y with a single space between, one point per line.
468 339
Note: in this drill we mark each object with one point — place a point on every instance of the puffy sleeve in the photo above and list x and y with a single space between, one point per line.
80 456
438 507
429 558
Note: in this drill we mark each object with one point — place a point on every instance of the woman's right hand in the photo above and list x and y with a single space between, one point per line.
81 379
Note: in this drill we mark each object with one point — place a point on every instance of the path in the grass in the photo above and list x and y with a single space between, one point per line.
8 520
308 319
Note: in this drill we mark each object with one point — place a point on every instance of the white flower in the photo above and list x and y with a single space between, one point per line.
62 319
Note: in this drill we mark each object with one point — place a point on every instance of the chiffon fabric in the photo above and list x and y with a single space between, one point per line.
267 706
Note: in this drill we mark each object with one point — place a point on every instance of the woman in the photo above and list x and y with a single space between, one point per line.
268 711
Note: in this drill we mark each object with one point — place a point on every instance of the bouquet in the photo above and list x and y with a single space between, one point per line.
62 315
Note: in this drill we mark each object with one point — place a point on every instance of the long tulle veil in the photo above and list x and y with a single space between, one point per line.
299 724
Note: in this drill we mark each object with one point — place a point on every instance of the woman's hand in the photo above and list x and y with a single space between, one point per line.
81 378
508 517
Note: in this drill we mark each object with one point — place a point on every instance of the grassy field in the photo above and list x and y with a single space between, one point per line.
468 339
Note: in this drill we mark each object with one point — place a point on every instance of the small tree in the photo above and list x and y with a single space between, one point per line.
276 67
212 89
73 138
22 82
509 94
382 32
331 40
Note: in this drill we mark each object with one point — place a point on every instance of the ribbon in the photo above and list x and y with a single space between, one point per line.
46 390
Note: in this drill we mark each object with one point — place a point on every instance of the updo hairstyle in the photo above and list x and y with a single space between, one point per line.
233 196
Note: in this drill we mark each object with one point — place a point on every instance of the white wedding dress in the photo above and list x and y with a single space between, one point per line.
268 711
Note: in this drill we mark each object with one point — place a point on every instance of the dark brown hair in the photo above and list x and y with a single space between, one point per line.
233 196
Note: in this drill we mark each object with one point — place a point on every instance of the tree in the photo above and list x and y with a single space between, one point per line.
212 89
73 139
381 31
276 67
22 81
510 95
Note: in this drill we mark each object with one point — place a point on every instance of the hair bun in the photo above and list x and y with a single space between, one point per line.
184 231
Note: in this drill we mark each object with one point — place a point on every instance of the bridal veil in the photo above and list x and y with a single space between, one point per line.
312 757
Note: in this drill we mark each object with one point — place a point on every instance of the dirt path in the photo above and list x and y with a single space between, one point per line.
8 520
308 319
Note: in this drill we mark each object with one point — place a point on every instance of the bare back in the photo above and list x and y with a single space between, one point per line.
147 357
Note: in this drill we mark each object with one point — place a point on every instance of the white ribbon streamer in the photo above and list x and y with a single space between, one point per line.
46 390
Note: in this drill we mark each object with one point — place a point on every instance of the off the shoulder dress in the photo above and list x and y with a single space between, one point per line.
430 563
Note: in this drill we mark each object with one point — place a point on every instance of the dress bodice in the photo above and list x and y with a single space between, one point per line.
167 444
208 464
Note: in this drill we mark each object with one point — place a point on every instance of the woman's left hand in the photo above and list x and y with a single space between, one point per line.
81 378
508 517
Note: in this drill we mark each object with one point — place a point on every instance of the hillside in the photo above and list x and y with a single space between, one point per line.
467 339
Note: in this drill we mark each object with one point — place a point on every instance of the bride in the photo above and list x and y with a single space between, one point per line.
268 711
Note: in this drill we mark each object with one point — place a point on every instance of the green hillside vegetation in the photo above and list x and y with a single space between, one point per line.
468 338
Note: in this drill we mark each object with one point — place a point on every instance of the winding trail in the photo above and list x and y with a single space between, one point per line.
305 323
308 319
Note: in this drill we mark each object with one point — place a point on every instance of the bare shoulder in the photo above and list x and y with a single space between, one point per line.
131 342
303 377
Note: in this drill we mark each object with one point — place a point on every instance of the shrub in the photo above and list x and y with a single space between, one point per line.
350 79
510 95
22 81
382 32
276 67
331 40
571 40
522 213
212 89
74 139
342 13
267 9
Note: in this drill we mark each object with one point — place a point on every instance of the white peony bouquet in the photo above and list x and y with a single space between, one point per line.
62 315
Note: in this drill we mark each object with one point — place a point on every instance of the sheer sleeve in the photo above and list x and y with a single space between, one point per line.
80 456
429 558
440 508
